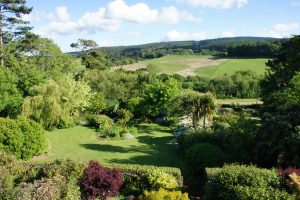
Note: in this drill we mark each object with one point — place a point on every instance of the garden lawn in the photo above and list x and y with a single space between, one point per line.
230 66
154 145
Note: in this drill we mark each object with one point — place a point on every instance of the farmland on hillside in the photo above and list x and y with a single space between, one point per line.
190 65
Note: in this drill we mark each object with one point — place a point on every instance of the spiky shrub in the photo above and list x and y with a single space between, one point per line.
100 182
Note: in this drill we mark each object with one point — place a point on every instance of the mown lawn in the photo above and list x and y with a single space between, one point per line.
154 145
230 66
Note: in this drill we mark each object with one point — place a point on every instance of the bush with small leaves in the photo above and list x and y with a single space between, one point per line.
159 179
235 182
103 122
164 195
204 155
22 137
100 182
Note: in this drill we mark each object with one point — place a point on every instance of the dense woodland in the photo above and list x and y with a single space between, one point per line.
250 47
238 152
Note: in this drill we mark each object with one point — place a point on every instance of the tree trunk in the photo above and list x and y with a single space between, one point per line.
195 121
204 120
1 37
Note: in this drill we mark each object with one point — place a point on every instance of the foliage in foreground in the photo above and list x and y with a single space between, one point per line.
100 182
21 137
164 195
67 179
244 182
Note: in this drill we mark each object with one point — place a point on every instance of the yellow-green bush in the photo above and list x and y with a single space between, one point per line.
164 195
159 179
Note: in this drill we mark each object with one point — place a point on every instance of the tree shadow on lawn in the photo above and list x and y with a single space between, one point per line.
160 151
151 129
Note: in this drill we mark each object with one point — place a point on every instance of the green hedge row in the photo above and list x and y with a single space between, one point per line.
240 182
142 169
60 178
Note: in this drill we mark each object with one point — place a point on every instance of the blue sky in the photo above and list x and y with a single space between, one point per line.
128 22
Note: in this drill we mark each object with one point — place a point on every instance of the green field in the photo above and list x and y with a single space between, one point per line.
170 64
232 65
201 65
154 145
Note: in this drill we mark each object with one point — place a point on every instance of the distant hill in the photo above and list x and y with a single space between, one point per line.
218 44
130 54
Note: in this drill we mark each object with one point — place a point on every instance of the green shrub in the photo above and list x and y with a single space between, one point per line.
201 136
103 122
34 180
133 130
159 179
204 155
164 195
239 181
21 137
115 132
257 193
135 177
51 188
124 116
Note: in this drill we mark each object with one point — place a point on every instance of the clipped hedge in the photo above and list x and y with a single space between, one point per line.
61 177
244 182
136 178
39 180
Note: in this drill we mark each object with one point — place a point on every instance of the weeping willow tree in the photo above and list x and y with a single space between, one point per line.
55 103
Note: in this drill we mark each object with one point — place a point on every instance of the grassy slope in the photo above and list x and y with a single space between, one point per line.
233 65
168 64
155 145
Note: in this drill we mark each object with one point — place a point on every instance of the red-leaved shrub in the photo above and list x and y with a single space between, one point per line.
284 173
100 182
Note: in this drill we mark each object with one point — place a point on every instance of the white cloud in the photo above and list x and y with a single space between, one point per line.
220 4
61 14
94 21
281 30
34 16
172 15
229 33
110 18
183 35
139 12
295 3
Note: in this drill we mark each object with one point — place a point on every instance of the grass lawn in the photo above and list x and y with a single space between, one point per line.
155 145
232 65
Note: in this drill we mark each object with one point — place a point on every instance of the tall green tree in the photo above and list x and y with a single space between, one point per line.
156 97
279 141
197 105
10 97
84 44
10 19
54 104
